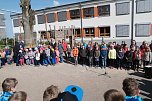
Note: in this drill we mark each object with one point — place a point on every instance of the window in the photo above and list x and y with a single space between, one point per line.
104 10
105 31
74 14
16 22
77 32
122 30
2 32
41 19
50 17
2 19
122 8
62 16
43 35
89 32
88 12
143 6
142 30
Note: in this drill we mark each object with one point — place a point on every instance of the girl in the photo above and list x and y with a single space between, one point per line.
21 57
57 54
96 56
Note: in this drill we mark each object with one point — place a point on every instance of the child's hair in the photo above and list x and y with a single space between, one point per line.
18 96
113 95
8 84
130 86
50 93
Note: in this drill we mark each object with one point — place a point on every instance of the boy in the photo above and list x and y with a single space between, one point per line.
19 96
51 93
131 88
8 87
113 95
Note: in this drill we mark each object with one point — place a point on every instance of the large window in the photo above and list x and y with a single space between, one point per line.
104 10
2 32
2 19
122 30
105 31
62 16
77 32
143 6
143 30
89 32
50 17
74 14
122 8
16 22
88 12
41 19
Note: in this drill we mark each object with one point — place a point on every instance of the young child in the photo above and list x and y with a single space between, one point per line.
37 58
21 57
75 52
53 55
26 57
131 89
8 87
51 93
96 56
19 96
57 54
113 95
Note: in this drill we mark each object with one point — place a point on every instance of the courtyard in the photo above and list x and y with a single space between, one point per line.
34 80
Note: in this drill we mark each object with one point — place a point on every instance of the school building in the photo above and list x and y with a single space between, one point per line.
93 20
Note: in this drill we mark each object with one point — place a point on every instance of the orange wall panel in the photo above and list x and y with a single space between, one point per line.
68 15
95 11
96 32
56 16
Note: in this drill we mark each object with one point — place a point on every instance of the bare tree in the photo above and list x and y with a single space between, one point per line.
28 19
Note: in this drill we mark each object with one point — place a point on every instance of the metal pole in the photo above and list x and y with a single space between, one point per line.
81 21
132 22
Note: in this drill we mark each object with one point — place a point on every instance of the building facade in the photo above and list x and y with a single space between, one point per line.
96 20
2 26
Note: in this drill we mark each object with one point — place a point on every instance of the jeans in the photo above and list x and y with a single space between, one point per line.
90 61
104 62
61 57
49 60
53 61
45 62
76 60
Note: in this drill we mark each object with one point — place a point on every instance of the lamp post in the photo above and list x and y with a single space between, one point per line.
81 30
132 21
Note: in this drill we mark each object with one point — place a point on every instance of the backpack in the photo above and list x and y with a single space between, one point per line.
4 96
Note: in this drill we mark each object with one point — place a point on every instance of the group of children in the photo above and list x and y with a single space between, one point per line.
71 93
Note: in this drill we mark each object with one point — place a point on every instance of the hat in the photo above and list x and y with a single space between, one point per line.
67 96
75 90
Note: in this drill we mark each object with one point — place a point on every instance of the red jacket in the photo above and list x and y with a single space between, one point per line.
65 45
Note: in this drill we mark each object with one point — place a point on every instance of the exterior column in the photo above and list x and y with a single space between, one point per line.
96 32
56 16
151 30
68 15
95 11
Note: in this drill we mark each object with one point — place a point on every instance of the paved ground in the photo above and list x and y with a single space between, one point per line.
34 80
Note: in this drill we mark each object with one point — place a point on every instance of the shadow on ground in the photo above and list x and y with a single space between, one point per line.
145 85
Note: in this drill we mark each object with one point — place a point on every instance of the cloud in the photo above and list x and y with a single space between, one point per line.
56 3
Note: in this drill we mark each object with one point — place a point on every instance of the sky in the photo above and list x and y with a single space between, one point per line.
13 5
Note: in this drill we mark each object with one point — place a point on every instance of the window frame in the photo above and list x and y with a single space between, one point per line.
122 35
106 34
123 13
76 15
137 12
61 20
87 10
40 20
101 7
48 17
89 34
142 35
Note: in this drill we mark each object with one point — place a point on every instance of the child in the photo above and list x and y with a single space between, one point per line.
96 56
8 87
26 57
53 55
103 55
69 53
37 58
137 58
21 57
120 56
57 54
113 95
112 56
19 96
75 55
51 93
131 89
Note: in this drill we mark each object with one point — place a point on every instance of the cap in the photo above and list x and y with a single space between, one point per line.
67 96
75 90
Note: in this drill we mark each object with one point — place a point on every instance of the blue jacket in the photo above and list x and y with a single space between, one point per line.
103 53
4 96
